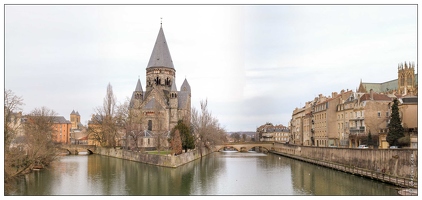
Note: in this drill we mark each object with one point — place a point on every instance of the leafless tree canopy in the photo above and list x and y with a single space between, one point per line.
206 128
12 105
104 125
35 147
131 120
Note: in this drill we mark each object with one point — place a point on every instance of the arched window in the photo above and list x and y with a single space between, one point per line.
157 81
409 80
402 81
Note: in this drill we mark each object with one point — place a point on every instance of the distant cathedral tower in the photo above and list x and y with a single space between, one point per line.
406 79
75 119
161 105
405 85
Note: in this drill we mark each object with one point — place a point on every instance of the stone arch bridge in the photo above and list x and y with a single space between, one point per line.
76 149
245 146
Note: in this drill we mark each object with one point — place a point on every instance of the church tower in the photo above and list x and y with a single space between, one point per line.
137 96
160 70
406 79
75 119
173 105
161 105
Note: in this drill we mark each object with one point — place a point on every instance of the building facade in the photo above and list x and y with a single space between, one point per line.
78 133
61 130
161 105
273 133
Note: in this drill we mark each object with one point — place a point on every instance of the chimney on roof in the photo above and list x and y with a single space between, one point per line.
371 92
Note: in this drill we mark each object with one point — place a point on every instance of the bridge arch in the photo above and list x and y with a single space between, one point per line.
222 147
259 146
246 146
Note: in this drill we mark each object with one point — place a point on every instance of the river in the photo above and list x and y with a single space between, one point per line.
223 173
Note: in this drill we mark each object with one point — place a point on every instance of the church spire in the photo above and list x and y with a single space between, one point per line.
160 56
138 86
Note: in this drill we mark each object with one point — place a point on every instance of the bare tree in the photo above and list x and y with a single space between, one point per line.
13 158
12 105
36 149
104 127
39 136
206 128
131 121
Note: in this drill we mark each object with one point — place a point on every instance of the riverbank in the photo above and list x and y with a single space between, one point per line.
352 168
153 159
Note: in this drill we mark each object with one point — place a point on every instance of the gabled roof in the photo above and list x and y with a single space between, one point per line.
185 86
377 97
152 104
60 120
160 56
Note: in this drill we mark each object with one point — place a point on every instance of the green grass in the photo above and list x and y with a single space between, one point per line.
159 153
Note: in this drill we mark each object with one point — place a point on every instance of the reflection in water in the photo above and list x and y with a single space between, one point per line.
223 173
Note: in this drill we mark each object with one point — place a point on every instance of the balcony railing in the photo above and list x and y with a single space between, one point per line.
359 128
357 118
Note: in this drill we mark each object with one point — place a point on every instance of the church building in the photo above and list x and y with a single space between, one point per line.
406 83
161 105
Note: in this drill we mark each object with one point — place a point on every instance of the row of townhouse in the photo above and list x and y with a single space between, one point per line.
346 119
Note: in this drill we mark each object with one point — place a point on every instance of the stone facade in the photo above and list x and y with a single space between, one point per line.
345 119
270 133
161 105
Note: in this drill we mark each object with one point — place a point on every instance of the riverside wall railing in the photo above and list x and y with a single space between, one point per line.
382 165
395 180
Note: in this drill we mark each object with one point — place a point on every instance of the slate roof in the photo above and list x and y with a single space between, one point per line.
185 86
160 56
138 86
270 128
74 113
152 104
60 120
410 100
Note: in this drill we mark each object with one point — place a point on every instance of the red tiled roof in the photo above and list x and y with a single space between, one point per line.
377 97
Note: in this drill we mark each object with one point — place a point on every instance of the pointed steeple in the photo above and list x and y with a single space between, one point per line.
185 86
138 86
73 112
160 56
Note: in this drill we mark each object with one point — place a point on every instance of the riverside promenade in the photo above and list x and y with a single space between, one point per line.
409 184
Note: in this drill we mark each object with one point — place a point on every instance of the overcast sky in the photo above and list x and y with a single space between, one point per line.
254 63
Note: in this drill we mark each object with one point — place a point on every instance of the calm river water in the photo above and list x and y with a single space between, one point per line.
223 173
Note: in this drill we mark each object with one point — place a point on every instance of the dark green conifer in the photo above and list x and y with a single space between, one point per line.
395 129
